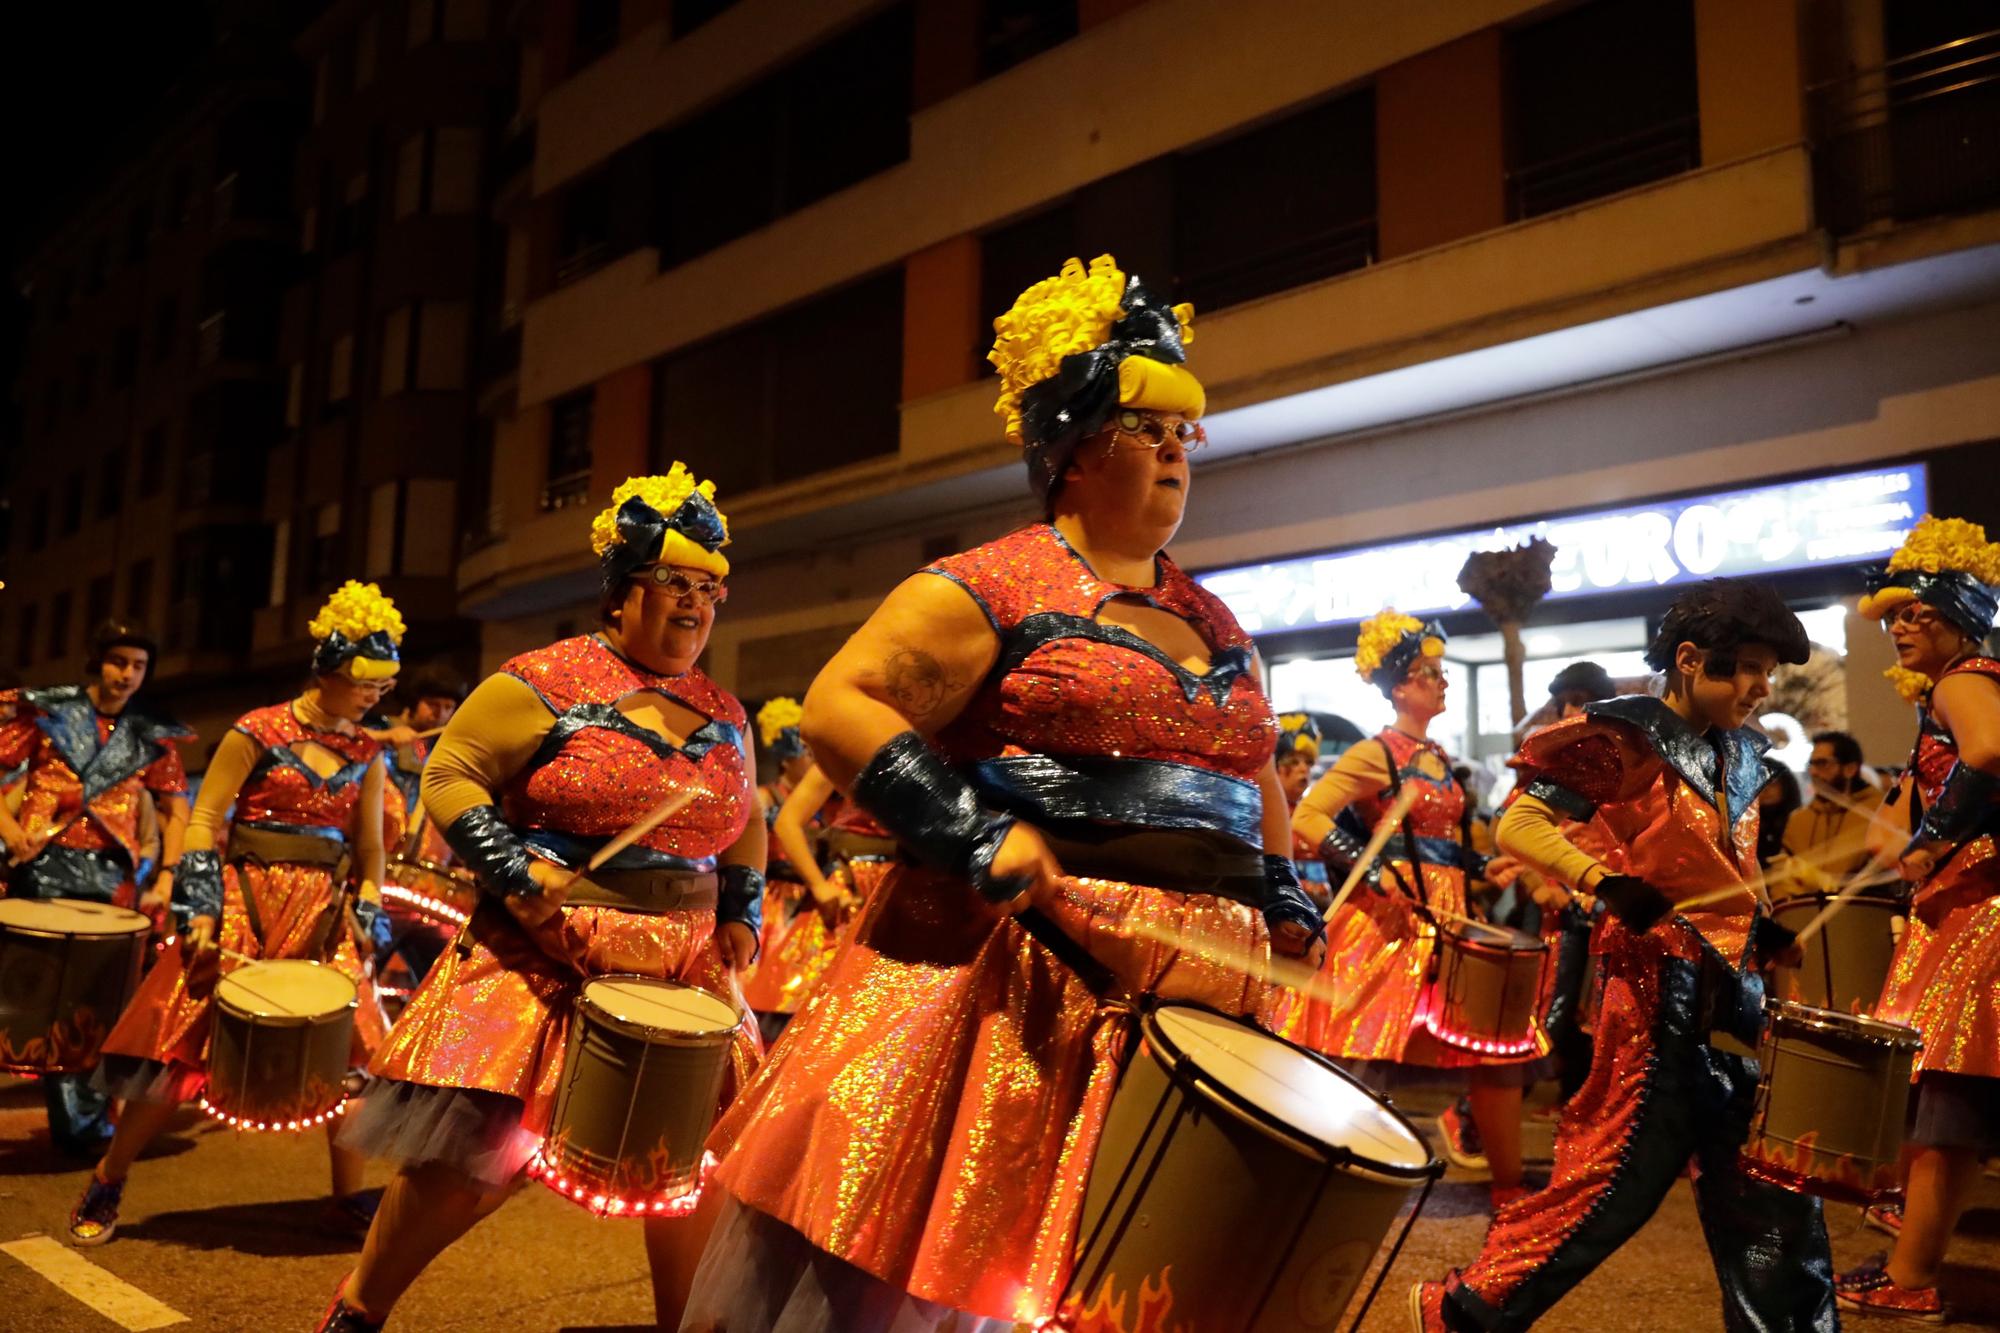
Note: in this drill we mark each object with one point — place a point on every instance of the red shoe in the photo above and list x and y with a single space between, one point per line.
341 1318
1886 1218
1427 1308
1870 1290
1462 1147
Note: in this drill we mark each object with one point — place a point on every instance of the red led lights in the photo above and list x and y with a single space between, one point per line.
589 1195
435 909
289 1126
1483 1045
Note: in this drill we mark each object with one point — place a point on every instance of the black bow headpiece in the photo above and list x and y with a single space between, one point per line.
641 529
1958 596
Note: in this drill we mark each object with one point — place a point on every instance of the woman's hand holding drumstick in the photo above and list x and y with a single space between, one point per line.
535 911
1385 829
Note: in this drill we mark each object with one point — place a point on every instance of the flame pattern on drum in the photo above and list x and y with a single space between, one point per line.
1807 1169
1106 1311
69 1046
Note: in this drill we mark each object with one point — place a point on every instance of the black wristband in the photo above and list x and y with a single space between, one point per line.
1340 849
934 812
741 899
1286 901
1966 799
493 852
198 886
1632 900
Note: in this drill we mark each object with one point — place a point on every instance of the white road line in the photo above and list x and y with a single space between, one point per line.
113 1297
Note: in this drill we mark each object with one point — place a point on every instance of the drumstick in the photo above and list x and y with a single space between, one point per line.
1860 881
1385 829
645 824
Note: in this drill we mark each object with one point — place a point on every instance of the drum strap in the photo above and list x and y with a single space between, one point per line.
850 846
648 891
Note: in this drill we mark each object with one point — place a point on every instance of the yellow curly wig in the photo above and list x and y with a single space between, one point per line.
1937 544
1303 742
1070 313
775 716
664 493
1382 632
358 610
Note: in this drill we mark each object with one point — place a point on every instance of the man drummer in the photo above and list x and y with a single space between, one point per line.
1672 1079
93 762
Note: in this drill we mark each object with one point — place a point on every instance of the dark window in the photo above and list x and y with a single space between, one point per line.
1014 258
86 379
24 646
166 328
1601 98
59 625
595 31
180 197
97 602
1281 206
125 357
38 521
584 240
568 478
111 484
733 150
72 504
137 228
139 591
687 15
1011 31
153 461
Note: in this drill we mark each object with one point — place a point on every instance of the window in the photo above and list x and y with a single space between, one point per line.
410 176
295 395
59 610
97 602
72 504
441 344
325 562
139 591
24 646
379 560
138 228
464 20
423 22
454 170
584 239
396 350
350 220
594 32
125 357
340 370
428 506
1015 257
687 15
153 461
111 484
166 329
568 477
367 40
1601 98
1011 31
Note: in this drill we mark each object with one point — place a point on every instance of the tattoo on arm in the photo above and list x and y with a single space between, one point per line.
916 682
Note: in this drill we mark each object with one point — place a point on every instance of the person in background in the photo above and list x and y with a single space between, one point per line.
429 697
1298 752
1827 837
1777 799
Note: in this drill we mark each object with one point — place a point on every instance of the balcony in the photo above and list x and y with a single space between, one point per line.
1917 137
565 491
1604 169
1335 250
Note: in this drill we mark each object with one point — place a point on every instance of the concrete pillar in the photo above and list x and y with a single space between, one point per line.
942 335
1440 148
1748 70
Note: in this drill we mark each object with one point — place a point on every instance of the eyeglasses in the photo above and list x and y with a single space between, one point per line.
680 585
1150 432
1911 615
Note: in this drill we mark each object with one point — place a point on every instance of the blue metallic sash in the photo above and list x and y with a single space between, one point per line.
573 851
1085 793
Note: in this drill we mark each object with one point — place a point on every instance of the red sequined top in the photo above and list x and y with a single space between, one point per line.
1068 685
282 789
1439 810
77 780
1937 752
598 772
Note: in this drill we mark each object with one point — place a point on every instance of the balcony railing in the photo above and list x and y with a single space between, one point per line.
1916 137
570 489
1603 169
1321 255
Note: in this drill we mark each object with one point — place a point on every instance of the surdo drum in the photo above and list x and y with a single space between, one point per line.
1848 960
428 892
279 1051
1245 1180
67 968
1831 1102
642 1076
1484 993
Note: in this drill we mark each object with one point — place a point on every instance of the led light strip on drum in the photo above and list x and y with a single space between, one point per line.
1483 1045
270 1126
585 1194
436 909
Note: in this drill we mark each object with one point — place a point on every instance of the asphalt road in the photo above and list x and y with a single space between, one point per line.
223 1228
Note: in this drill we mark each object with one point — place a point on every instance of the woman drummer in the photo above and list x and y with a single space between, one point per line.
1059 720
305 784
1938 598
773 987
549 760
1381 943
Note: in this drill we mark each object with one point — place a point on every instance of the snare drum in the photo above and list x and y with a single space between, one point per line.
67 968
279 1052
642 1076
438 895
1831 1103
1485 989
1245 1180
1848 960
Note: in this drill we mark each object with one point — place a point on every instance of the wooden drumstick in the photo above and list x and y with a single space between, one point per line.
645 824
1847 892
1385 829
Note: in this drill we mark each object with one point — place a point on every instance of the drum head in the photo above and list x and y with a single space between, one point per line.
1291 1087
69 916
1496 937
286 988
1789 1015
669 1008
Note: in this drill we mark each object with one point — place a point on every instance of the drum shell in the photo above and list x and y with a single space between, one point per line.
1486 994
635 1106
1831 1104
456 889
1849 959
272 1071
1185 1186
61 992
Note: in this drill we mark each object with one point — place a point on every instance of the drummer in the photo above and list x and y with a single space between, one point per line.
551 758
792 872
1298 752
305 784
1671 1079
1059 703
1938 599
1381 942
91 762
430 695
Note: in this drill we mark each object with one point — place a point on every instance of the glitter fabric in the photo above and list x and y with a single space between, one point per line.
1945 977
933 1112
283 790
799 938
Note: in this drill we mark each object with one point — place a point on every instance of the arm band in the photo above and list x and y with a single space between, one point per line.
1964 803
1632 900
1285 901
934 812
741 899
198 886
1339 850
492 851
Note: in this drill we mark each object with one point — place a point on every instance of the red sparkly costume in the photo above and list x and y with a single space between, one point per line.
800 942
1660 1091
932 1115
299 818
468 1076
1945 981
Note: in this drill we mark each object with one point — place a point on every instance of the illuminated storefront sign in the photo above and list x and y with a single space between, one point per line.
1853 517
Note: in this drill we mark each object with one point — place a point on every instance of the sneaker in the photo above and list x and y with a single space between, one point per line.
95 1216
1462 1147
339 1318
1870 1290
350 1214
1427 1308
1886 1218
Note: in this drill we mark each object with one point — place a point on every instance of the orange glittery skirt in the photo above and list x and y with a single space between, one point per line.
932 1114
798 952
159 1050
1945 979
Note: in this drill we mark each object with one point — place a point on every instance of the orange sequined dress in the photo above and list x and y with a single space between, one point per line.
1945 980
468 1076
271 908
799 938
932 1115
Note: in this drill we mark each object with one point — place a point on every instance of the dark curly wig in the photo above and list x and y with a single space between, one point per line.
1721 616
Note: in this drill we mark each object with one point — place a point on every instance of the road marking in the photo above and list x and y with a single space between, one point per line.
113 1297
